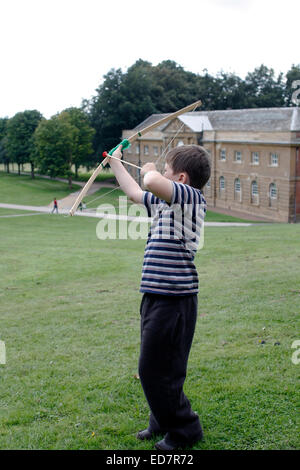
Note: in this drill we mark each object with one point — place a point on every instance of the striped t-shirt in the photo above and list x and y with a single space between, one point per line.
173 239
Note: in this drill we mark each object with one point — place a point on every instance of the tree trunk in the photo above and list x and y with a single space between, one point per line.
32 170
70 181
76 171
19 169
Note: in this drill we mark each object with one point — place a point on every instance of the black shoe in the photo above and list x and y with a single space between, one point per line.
145 435
169 445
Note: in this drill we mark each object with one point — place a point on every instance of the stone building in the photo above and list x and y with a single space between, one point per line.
255 156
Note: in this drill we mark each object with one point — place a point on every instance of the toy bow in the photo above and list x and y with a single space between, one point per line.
125 144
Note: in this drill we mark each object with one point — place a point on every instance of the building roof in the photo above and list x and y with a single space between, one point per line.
197 123
254 119
151 120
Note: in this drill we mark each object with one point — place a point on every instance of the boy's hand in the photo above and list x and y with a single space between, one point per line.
148 167
118 152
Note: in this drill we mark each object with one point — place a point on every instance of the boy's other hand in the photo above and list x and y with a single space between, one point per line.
148 167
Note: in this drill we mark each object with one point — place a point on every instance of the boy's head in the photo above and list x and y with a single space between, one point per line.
188 164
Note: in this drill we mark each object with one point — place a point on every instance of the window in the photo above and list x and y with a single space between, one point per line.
137 149
223 154
146 149
273 191
273 195
237 190
180 143
237 156
274 159
155 150
237 185
255 158
254 188
254 192
208 184
222 183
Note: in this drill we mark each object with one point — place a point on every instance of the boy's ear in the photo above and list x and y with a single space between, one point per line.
183 178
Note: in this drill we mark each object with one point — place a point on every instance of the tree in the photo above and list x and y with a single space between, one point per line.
263 89
55 142
172 87
126 99
105 114
62 141
20 142
82 148
3 143
123 100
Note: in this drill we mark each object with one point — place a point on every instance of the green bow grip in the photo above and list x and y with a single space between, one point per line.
125 145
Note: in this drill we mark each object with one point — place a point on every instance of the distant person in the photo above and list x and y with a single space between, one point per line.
55 207
82 206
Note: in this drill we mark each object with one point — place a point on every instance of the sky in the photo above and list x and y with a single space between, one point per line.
54 53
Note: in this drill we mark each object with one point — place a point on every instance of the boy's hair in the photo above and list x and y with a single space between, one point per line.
192 159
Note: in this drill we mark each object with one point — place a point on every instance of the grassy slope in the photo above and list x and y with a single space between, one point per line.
69 317
22 189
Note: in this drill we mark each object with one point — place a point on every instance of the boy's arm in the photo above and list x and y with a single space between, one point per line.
126 182
156 183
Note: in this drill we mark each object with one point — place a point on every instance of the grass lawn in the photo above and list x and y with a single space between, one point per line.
22 189
69 308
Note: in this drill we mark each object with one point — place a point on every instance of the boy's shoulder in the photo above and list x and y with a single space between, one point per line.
183 196
186 194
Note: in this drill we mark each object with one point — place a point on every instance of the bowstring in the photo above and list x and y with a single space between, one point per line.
163 154
136 177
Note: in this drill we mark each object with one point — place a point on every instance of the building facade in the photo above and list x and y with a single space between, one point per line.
255 157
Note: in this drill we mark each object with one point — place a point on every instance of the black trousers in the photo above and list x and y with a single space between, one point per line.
167 330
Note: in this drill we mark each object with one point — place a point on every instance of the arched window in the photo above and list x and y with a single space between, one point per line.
237 190
254 188
273 195
222 183
254 192
273 191
237 185
180 143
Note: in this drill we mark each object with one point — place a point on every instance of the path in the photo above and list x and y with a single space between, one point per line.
68 201
100 215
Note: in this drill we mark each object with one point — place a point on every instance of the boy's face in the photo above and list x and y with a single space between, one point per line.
178 177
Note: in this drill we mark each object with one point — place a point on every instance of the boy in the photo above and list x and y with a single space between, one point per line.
169 286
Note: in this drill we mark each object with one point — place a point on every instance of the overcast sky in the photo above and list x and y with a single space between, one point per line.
54 53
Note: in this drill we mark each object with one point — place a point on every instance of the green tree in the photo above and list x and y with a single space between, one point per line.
82 148
3 143
20 142
55 141
172 87
263 89
125 99
103 111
